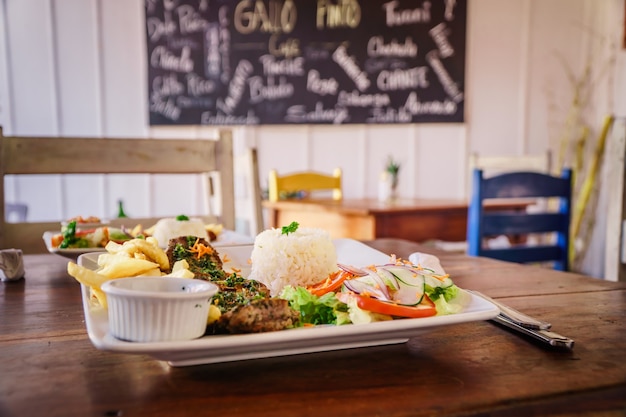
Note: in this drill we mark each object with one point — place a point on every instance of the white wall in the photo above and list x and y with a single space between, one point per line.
78 67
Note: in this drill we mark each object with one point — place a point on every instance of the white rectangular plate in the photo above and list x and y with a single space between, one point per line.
226 238
224 348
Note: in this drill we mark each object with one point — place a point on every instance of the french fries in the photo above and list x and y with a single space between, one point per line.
86 276
136 257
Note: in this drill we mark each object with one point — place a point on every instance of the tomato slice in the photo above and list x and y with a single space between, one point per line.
425 309
332 283
83 233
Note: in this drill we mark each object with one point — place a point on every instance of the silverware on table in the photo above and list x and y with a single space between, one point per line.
515 316
530 326
547 336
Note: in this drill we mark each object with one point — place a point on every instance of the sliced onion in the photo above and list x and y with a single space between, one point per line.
379 283
360 287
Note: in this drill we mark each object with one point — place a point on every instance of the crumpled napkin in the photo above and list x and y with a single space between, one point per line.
427 261
11 265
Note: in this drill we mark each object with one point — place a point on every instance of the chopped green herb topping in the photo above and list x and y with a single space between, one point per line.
291 228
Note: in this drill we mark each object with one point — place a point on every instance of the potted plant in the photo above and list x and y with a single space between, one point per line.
393 168
387 188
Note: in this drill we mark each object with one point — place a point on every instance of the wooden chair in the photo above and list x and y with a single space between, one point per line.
56 155
247 165
307 182
521 185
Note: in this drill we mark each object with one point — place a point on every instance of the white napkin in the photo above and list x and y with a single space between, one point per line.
11 265
427 261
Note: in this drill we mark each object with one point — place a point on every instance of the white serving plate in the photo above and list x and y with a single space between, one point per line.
226 238
225 348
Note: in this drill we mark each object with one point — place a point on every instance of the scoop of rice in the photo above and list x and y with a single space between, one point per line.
301 258
166 229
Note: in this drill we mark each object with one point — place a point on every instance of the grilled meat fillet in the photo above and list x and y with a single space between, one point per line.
207 267
245 304
263 315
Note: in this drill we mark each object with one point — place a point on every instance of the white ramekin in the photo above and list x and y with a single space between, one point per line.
158 309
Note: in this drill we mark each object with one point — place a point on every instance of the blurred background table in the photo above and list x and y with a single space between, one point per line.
418 220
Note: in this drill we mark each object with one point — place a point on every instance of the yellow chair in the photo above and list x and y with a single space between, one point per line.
308 182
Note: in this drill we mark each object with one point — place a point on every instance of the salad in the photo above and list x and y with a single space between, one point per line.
71 237
380 292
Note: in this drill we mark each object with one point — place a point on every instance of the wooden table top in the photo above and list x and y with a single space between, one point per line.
48 366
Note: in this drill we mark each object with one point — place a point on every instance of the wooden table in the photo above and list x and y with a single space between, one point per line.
418 220
48 366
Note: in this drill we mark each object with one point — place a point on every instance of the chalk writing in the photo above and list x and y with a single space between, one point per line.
389 115
395 17
439 34
198 86
299 114
316 84
250 62
402 79
167 60
255 16
377 47
167 85
189 20
271 66
288 48
157 28
416 107
166 107
347 63
345 13
236 87
449 10
356 99
207 118
271 91
444 77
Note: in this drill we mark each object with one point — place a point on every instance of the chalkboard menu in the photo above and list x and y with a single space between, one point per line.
247 62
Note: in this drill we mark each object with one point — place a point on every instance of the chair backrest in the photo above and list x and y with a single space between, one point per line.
213 159
500 164
247 165
491 164
521 185
308 182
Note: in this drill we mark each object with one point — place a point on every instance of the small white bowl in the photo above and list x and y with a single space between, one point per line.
158 309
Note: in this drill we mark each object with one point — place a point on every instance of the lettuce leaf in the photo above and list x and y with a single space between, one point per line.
446 299
315 310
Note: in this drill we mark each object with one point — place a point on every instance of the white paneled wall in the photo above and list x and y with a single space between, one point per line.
78 67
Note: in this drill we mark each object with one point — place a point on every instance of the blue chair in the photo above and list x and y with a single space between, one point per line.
520 185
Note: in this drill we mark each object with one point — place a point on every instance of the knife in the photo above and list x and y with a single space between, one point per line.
530 326
546 336
516 316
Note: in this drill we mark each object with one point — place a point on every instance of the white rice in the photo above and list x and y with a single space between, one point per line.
166 229
301 258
